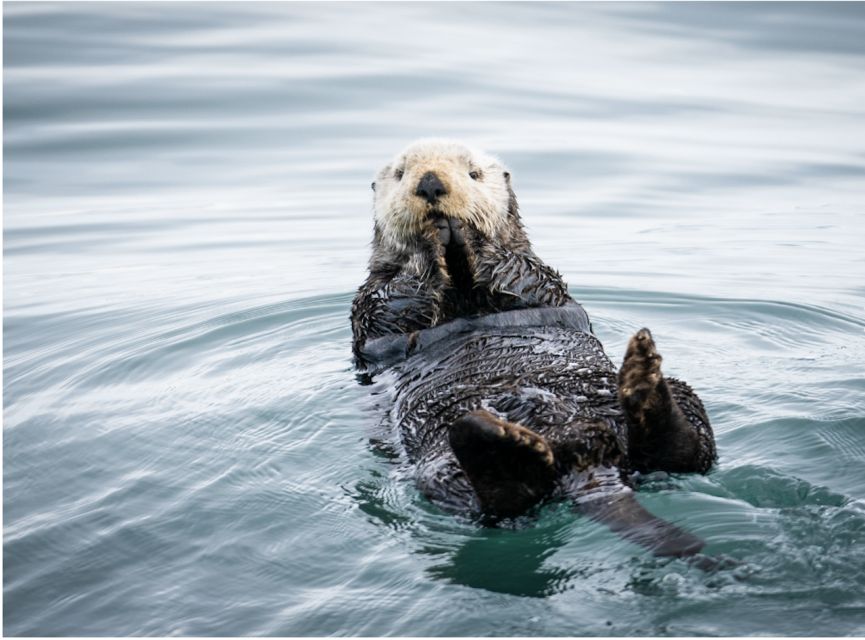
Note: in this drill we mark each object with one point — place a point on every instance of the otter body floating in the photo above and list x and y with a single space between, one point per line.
503 395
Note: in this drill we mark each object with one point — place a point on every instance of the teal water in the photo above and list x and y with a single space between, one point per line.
187 213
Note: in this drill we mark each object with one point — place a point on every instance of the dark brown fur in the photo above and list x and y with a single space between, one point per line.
504 397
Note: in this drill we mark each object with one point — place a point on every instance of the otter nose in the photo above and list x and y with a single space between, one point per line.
430 187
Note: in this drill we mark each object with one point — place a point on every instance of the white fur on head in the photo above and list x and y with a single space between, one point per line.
483 202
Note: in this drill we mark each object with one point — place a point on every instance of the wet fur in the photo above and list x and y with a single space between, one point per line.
504 397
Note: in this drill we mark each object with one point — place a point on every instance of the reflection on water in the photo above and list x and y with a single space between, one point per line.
186 214
507 561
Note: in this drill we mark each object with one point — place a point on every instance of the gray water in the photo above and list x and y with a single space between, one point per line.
187 214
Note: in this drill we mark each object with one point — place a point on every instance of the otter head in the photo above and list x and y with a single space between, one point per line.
434 179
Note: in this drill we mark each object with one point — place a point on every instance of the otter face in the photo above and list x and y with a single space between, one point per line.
434 178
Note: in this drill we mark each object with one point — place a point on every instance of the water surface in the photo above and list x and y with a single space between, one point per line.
187 214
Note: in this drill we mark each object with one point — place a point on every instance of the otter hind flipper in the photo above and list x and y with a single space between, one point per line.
667 425
628 518
510 467
641 388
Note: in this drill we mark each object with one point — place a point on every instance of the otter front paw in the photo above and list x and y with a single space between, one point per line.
643 392
443 230
450 231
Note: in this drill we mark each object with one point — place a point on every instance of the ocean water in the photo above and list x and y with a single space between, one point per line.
187 213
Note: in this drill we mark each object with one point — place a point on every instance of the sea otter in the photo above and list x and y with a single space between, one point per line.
502 395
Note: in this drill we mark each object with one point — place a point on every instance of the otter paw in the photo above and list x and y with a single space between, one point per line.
443 229
458 232
510 467
641 384
449 231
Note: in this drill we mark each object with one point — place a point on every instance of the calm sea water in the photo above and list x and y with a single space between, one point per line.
187 213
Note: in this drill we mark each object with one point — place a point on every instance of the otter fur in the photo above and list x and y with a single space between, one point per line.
502 395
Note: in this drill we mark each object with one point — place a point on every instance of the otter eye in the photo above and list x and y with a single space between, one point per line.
398 174
475 175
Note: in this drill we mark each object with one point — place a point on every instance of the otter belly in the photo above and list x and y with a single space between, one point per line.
553 378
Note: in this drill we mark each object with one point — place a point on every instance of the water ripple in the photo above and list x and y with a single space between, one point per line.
186 214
